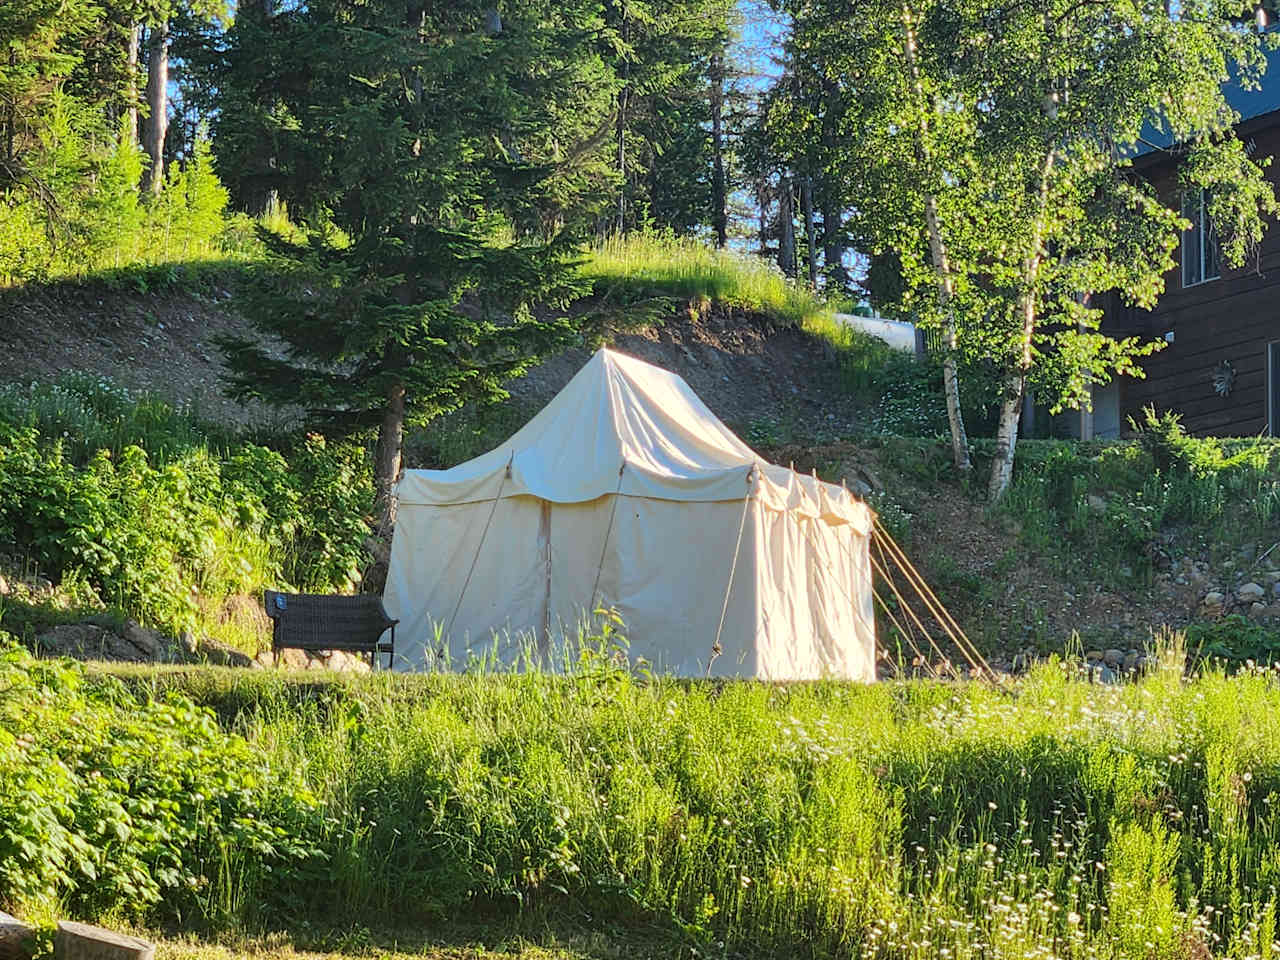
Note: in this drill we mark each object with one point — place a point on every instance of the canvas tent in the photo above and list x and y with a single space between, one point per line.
625 491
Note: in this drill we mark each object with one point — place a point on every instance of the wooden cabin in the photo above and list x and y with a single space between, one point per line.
1220 368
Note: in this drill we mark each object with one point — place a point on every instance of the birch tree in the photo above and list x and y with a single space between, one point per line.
992 142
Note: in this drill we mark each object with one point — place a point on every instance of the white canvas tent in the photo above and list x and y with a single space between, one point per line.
625 491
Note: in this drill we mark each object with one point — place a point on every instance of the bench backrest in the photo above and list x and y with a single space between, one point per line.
312 621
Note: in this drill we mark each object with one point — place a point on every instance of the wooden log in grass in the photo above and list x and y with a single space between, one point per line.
80 941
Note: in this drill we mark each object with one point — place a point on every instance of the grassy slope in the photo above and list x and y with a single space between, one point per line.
786 821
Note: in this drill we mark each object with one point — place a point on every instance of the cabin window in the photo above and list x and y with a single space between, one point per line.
1199 244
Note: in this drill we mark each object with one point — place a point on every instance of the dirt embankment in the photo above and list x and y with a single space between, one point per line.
771 385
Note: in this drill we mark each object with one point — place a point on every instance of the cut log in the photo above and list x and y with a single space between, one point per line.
80 941
15 938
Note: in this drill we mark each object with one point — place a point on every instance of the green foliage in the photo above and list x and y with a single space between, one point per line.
114 807
86 217
1129 821
1118 504
908 399
1234 640
644 265
134 499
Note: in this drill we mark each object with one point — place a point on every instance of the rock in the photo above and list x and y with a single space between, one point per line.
85 641
80 941
1257 610
348 662
1250 593
1131 660
1271 576
188 641
1276 589
150 643
860 488
1211 605
4 587
15 939
222 655
869 477
1107 675
1113 657
1093 656
1096 503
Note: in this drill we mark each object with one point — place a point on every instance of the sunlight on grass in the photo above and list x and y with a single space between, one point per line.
641 265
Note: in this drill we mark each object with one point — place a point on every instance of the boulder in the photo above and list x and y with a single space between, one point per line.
1131 660
1113 658
1093 656
1212 604
81 941
221 655
85 641
1257 610
1096 503
1250 593
150 643
15 939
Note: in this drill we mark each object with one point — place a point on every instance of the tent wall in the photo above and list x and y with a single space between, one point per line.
816 615
799 606
665 571
431 554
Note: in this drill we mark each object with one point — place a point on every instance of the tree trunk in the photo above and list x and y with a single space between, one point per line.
1015 383
833 246
786 229
719 198
386 466
624 95
158 103
1011 409
810 231
131 87
762 204
941 266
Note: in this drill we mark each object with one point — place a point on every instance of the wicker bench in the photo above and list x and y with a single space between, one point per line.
314 621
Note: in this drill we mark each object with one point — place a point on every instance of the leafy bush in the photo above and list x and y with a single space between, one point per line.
83 499
103 223
110 806
908 398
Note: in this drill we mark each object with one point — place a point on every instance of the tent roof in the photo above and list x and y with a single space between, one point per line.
624 426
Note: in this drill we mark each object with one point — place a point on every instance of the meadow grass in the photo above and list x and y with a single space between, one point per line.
647 265
1053 818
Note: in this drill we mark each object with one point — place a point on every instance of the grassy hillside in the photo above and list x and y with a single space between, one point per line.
1055 818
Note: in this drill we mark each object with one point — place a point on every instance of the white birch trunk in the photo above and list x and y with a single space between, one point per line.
941 269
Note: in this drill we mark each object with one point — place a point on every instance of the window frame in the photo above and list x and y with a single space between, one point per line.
1202 231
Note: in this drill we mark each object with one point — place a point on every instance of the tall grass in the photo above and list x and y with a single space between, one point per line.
646 265
1057 818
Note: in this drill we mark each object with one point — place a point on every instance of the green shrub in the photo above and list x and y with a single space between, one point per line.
113 807
152 534
909 400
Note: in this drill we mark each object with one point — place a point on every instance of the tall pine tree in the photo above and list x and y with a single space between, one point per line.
409 138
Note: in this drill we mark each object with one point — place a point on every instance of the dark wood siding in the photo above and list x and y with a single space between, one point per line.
1232 318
